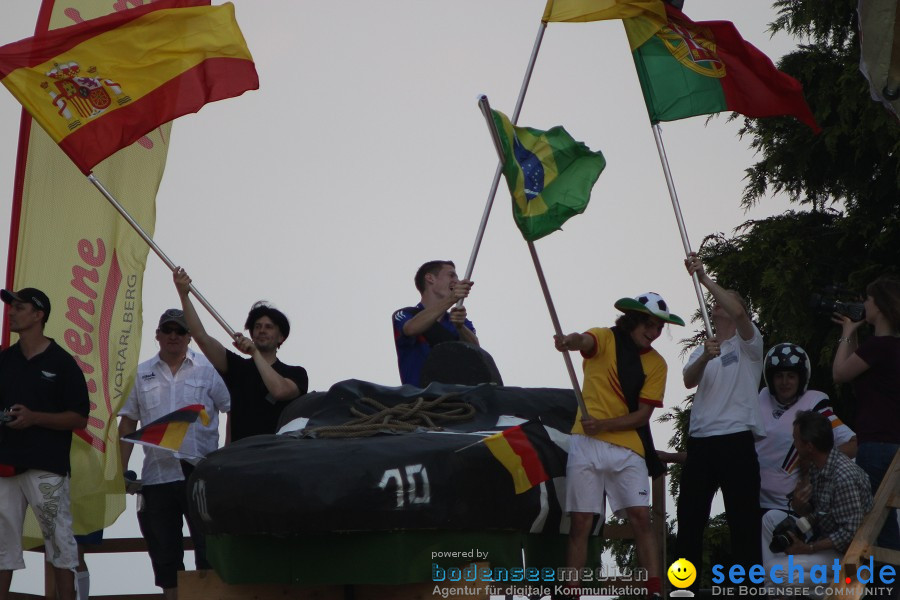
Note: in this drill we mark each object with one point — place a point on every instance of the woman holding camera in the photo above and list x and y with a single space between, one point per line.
873 367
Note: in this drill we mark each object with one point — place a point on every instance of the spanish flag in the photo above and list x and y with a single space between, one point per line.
98 86
168 432
529 453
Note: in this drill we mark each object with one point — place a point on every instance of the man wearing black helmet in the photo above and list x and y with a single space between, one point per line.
787 373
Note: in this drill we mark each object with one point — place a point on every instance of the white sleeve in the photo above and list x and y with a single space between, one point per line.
693 357
753 347
131 409
219 393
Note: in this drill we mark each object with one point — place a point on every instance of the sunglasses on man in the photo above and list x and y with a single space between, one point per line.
175 330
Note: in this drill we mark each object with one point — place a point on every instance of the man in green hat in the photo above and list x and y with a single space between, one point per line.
611 452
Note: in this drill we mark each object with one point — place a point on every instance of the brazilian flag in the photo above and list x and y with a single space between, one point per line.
549 175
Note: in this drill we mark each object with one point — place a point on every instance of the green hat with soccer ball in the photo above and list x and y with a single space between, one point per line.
650 303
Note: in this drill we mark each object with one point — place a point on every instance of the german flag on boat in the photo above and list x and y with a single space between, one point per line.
529 454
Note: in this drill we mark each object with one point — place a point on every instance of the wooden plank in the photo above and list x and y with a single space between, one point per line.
873 522
206 585
894 502
116 545
886 555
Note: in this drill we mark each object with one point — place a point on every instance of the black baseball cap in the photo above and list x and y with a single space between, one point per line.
32 296
174 315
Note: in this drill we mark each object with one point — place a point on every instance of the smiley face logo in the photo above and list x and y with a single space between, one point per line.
682 573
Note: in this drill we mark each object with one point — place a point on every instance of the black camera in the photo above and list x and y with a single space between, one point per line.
827 303
781 539
6 416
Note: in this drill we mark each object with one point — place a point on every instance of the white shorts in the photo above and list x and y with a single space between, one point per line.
48 495
598 470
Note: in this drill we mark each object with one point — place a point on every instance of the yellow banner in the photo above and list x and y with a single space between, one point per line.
89 261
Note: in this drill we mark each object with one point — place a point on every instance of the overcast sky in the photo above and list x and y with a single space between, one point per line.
363 154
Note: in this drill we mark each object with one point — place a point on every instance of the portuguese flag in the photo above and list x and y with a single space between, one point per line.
549 175
688 69
529 454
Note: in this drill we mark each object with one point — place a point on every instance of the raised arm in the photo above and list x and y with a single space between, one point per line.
847 364
430 315
727 299
575 342
211 347
281 388
694 371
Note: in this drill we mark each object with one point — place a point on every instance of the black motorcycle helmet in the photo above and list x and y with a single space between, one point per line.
787 357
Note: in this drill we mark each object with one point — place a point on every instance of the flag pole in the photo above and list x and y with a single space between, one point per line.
556 328
679 218
485 107
479 236
162 255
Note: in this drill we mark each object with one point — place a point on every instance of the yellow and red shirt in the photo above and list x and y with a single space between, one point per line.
602 392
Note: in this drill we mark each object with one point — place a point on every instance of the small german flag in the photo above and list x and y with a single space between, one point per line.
529 454
168 431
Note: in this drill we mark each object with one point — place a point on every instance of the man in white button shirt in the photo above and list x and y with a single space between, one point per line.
174 378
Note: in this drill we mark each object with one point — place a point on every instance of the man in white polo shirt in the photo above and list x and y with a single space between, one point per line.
724 420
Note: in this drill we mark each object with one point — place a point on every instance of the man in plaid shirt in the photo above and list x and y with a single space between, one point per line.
835 496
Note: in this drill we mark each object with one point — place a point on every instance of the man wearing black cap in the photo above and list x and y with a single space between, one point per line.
43 396
261 385
175 378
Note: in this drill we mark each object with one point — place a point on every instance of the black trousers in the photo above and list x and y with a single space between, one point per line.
726 462
160 520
